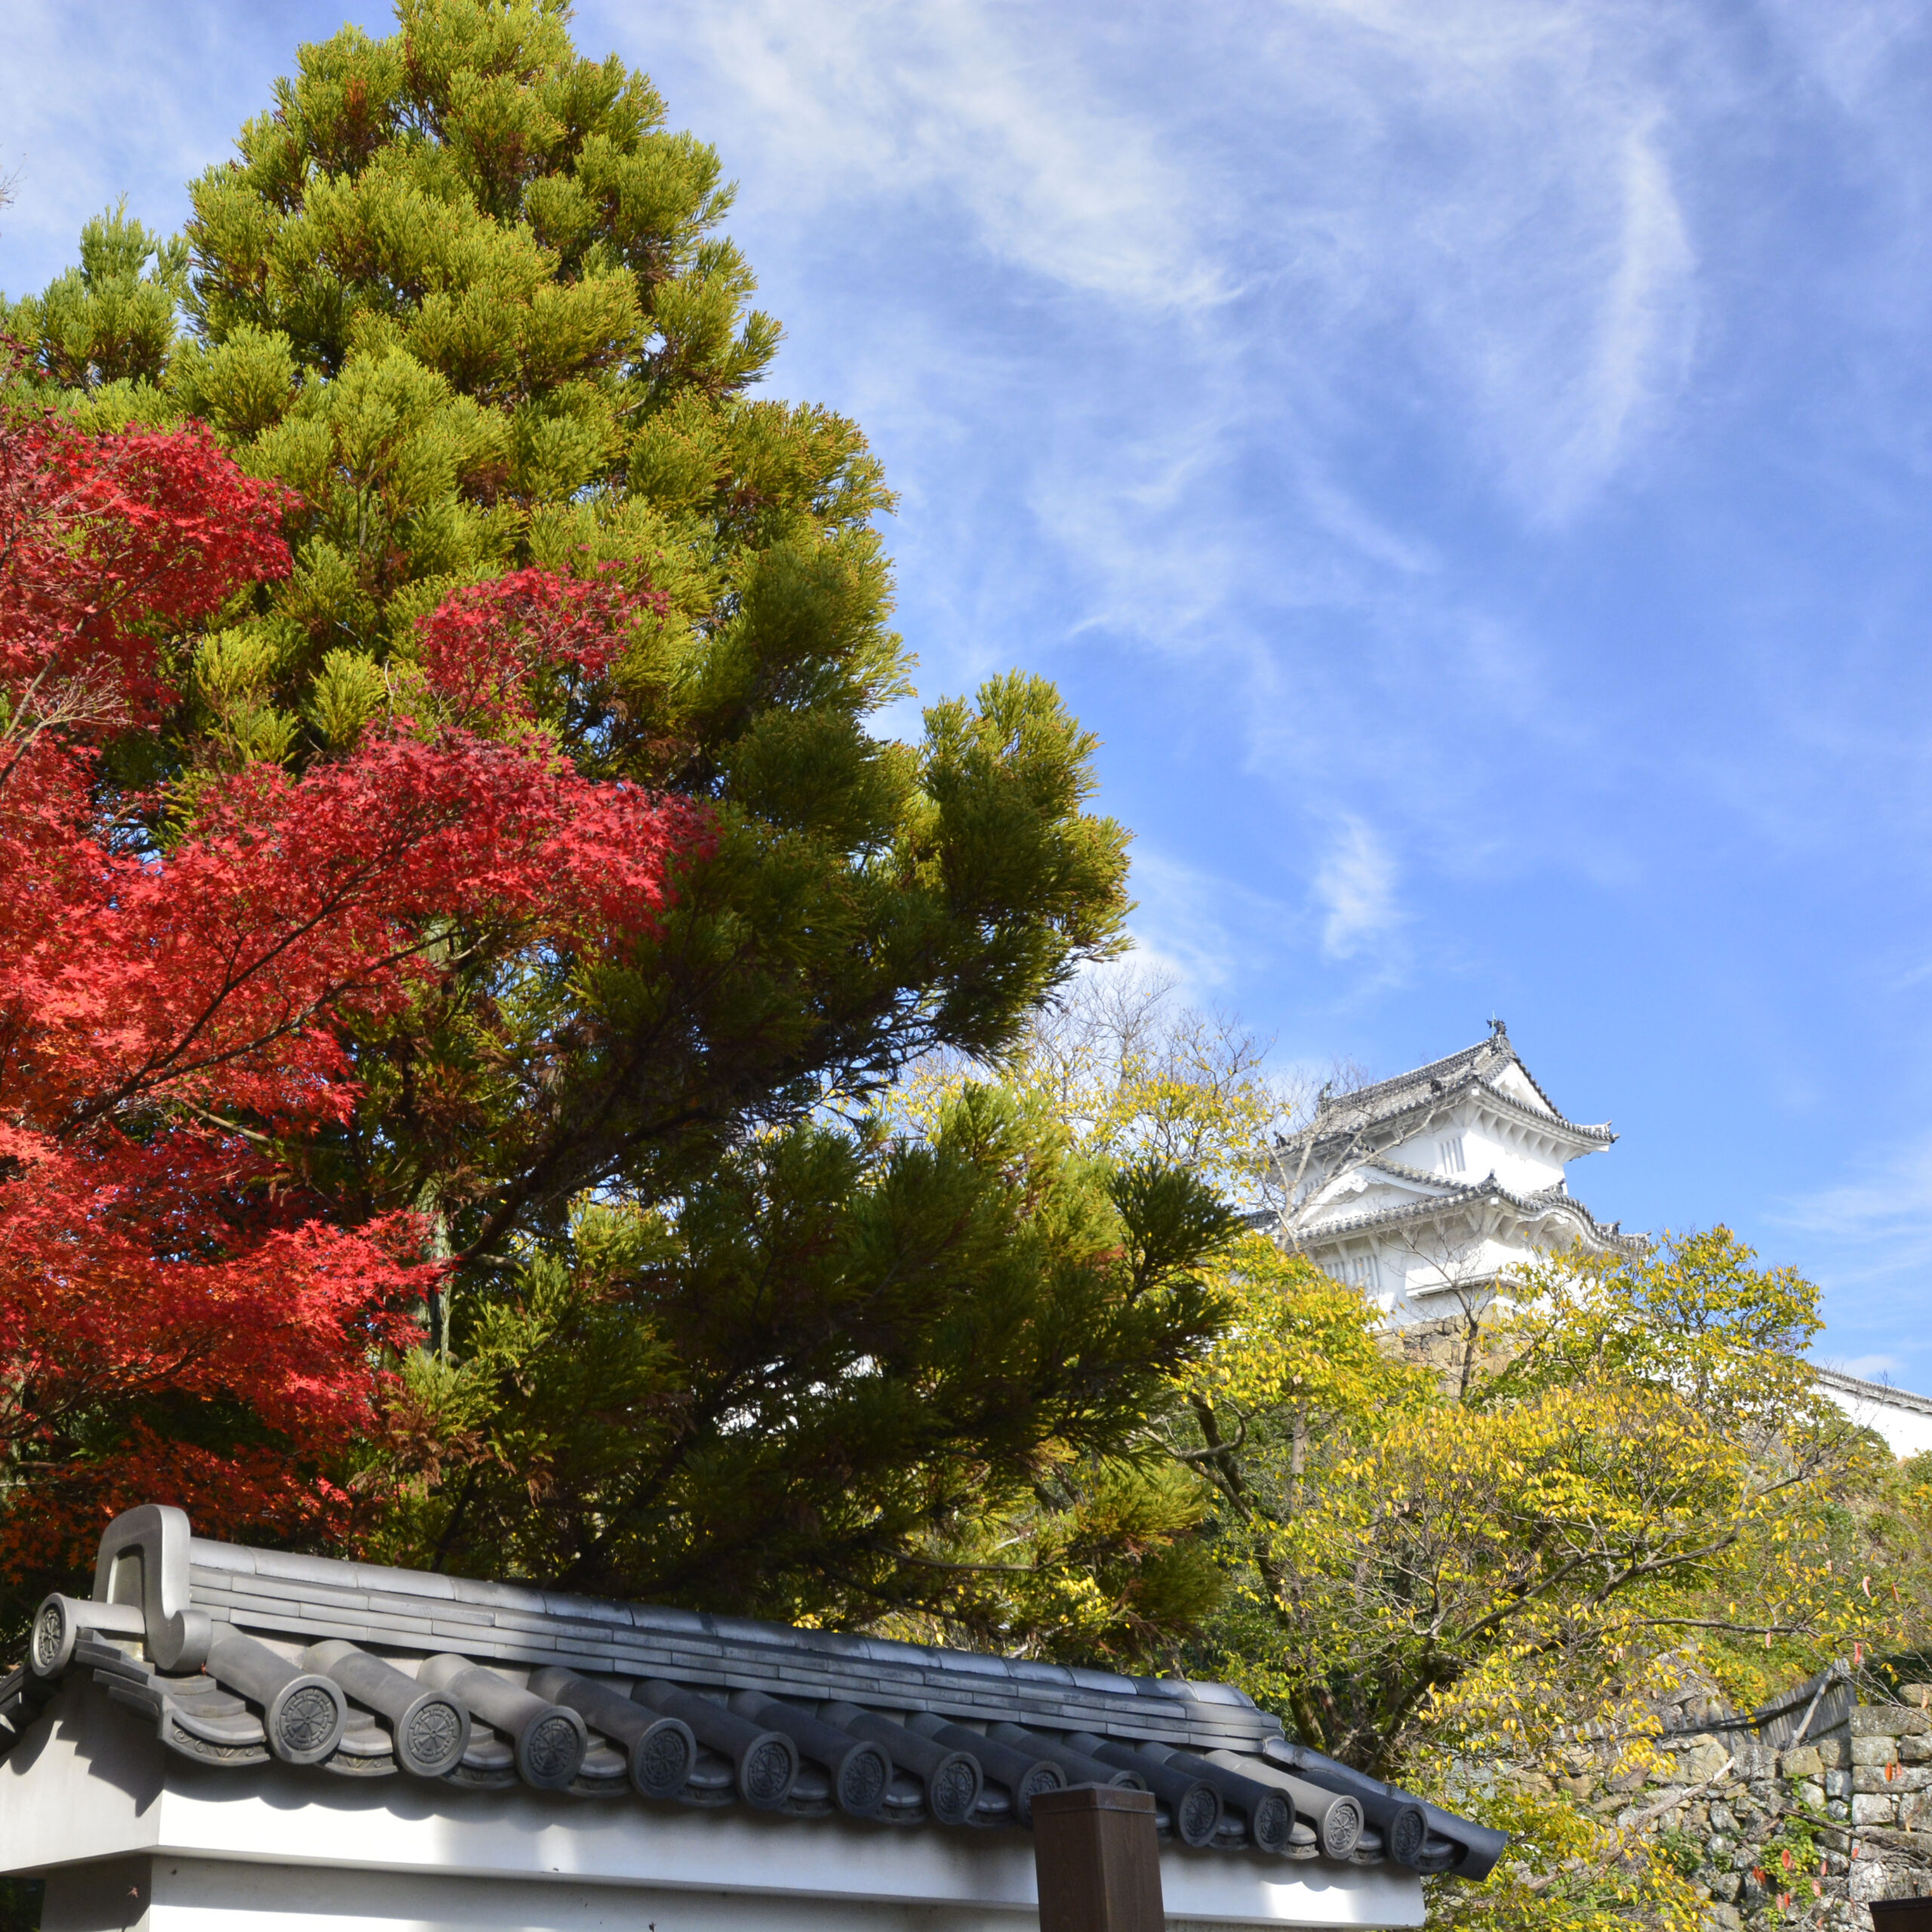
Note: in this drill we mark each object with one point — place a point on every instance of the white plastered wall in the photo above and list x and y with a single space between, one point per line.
1520 1158
1903 1419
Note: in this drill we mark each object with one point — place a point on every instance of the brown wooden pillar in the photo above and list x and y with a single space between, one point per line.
1892 1915
1097 1860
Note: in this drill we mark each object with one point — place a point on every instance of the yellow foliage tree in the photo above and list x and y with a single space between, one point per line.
1481 1586
1484 1589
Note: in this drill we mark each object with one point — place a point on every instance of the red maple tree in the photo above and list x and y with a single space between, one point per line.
186 1314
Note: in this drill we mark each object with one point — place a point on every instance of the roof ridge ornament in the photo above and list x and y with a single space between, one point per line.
143 1559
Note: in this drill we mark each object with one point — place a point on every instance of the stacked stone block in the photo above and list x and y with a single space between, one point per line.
1758 1799
1875 1780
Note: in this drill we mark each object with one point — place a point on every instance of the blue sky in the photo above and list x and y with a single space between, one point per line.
1471 462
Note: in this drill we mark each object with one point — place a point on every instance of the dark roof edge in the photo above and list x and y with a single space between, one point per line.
1880 1394
1560 1126
1532 1206
1428 1068
165 1633
524 1600
1497 1042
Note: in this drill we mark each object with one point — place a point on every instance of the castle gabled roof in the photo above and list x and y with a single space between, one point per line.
1402 1171
1483 1066
1551 1204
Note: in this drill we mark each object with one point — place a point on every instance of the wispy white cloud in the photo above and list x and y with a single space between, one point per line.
1204 928
978 102
1851 51
1354 887
1872 1234
1154 321
1888 1206
1236 267
1644 334
98 101
1484 191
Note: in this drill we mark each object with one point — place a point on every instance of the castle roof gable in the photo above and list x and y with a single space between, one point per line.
1551 1206
1491 1072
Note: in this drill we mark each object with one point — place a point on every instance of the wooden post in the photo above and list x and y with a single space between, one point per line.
1887 1915
1097 1860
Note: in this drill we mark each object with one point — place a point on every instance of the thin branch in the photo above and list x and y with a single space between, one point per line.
1663 1808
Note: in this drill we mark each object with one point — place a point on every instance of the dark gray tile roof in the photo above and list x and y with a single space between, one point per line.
240 1657
1551 1204
1382 1107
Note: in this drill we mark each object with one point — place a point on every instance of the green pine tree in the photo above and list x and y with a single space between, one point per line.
713 1333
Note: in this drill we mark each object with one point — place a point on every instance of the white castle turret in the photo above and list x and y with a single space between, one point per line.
1431 1191
1440 1184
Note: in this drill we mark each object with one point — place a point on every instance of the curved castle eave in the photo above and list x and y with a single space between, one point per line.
1443 1179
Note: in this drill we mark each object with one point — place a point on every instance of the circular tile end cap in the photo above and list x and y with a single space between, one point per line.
1272 1823
305 1720
864 1779
432 1735
550 1748
1198 1816
1341 1828
661 1760
54 1633
1044 1776
767 1769
953 1789
1406 1831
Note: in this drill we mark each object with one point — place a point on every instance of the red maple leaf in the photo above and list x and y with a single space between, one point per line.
178 1321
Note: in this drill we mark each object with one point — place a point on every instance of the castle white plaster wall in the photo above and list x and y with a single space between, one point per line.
1488 1148
1903 1419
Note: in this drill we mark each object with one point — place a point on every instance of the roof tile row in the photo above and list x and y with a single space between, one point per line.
242 1657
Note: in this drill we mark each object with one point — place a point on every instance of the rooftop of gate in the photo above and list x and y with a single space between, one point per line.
277 1594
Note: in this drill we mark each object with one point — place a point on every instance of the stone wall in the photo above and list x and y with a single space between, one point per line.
1457 1346
1799 1814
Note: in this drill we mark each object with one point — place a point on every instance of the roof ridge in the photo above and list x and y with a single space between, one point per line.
1863 1388
532 1599
1461 1192
1416 1073
1599 1131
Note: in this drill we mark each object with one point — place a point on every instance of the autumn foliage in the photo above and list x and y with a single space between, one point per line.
357 851
190 1312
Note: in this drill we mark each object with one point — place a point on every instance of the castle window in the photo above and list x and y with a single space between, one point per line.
1449 1155
1364 1272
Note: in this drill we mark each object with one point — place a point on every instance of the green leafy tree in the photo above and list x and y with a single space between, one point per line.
879 1350
112 319
709 1327
1100 1557
1482 1579
1452 1578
